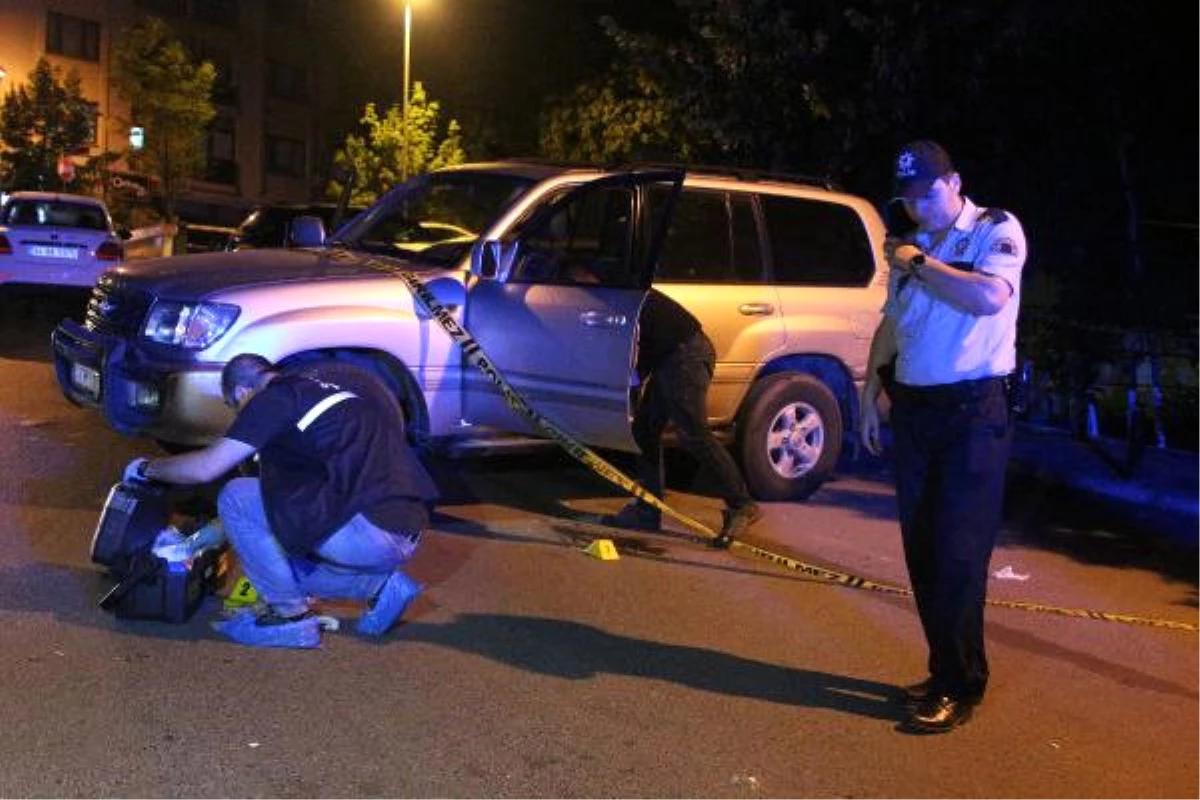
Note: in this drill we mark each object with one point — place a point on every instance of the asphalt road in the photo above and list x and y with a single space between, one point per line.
529 669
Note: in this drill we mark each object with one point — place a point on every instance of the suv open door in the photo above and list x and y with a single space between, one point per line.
558 315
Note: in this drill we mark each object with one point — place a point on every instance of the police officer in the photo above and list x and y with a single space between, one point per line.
943 351
340 504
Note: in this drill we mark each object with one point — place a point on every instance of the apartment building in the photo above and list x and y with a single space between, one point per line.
270 139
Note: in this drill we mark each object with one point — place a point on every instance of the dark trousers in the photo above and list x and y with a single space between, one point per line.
951 448
676 392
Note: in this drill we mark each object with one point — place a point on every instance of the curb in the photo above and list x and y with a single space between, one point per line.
1161 495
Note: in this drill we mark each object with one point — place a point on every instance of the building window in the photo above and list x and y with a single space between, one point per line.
93 115
286 81
217 12
221 161
163 8
72 37
288 12
285 156
224 90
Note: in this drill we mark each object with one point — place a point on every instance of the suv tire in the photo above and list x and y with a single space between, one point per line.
790 436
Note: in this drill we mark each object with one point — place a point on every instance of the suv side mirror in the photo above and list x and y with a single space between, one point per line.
306 231
494 258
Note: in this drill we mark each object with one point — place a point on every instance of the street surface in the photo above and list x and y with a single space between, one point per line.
530 669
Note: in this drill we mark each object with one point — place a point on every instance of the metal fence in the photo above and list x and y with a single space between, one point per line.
1135 384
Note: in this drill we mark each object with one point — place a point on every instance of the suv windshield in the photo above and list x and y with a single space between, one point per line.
435 218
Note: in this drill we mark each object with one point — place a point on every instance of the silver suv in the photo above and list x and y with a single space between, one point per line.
546 267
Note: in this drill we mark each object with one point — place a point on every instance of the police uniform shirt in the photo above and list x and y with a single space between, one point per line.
326 454
939 343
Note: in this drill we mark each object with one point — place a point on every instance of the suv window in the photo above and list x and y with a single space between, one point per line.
587 239
270 226
434 218
817 243
712 239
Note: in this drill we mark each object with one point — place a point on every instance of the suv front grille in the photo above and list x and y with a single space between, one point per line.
115 309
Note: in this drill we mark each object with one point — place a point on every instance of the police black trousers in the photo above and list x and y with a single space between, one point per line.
677 392
951 453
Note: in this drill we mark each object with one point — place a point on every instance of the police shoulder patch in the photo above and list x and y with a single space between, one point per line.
1005 247
994 215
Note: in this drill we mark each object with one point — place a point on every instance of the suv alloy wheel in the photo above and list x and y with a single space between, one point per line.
789 435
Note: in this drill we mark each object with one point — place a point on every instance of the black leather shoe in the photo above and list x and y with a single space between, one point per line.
635 517
736 522
939 714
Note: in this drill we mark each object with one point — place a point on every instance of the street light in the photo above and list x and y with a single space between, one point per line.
407 41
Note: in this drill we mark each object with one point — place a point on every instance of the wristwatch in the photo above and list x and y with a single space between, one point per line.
916 264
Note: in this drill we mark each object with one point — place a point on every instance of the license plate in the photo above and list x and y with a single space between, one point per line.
85 378
44 251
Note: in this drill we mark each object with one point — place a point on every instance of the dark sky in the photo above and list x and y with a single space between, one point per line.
488 60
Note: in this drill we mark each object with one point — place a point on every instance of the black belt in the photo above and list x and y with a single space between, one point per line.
947 394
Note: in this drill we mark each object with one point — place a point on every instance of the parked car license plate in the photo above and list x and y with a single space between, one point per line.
85 378
44 251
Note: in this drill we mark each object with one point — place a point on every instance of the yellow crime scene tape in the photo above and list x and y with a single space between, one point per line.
476 355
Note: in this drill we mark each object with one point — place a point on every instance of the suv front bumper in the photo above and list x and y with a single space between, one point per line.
179 403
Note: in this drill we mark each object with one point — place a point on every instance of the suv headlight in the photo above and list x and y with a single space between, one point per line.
191 325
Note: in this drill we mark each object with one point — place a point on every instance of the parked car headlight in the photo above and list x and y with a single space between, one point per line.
191 325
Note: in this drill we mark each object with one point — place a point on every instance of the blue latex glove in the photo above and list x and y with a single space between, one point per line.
131 472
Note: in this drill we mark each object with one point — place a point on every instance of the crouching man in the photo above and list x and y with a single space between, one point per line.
339 506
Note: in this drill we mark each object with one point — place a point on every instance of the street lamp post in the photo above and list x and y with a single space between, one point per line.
404 108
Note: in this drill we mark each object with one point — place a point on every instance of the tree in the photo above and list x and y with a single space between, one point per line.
171 98
41 122
377 158
729 81
619 117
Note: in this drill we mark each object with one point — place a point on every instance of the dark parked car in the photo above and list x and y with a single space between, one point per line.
271 226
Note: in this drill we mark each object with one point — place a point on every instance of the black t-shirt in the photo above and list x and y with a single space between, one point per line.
331 445
663 325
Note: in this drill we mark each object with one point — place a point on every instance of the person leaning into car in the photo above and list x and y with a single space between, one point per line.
942 352
675 362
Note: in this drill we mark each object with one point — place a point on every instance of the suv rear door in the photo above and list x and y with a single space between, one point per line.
825 268
560 322
712 263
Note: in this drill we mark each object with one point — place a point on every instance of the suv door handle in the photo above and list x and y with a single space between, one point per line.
756 309
601 319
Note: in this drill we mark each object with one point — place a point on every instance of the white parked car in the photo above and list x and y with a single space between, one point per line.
57 239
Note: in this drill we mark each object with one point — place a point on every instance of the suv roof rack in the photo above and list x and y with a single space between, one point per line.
740 173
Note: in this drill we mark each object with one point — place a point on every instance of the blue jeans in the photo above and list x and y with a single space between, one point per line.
351 564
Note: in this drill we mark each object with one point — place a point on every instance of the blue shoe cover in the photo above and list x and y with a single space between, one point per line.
397 594
243 628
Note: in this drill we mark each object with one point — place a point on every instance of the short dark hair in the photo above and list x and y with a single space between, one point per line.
244 370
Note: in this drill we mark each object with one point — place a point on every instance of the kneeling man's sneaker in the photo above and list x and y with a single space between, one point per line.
389 605
271 630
